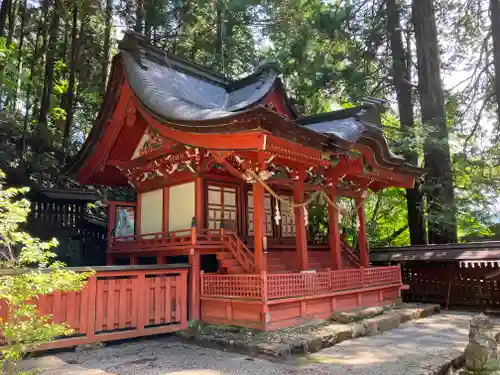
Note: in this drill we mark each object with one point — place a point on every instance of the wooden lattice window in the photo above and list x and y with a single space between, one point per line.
287 218
268 209
222 206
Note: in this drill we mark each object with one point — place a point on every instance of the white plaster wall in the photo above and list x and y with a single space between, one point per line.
181 206
151 211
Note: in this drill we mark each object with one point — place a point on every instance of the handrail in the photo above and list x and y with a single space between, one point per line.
240 252
351 255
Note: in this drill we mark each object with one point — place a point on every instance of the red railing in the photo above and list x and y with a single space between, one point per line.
120 302
232 286
266 286
240 252
175 238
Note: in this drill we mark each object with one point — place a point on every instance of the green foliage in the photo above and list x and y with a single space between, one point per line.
28 271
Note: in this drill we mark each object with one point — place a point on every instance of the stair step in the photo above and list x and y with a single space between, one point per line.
235 269
224 255
228 262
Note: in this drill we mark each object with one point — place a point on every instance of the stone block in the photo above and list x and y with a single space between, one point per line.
371 312
274 349
312 344
371 327
358 330
343 317
476 356
388 321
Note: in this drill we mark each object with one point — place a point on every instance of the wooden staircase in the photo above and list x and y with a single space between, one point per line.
236 258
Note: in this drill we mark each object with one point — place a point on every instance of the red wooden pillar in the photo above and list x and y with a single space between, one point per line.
194 278
364 259
258 226
300 227
199 202
334 235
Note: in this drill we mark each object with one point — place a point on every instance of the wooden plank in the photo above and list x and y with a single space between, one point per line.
100 298
122 296
110 305
168 299
57 310
157 299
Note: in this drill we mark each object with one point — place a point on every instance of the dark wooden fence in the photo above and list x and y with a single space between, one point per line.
63 214
454 275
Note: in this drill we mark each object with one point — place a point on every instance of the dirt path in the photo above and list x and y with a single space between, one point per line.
410 350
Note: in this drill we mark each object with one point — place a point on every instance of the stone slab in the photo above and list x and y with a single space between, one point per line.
311 338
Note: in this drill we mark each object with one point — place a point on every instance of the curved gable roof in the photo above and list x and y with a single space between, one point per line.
177 90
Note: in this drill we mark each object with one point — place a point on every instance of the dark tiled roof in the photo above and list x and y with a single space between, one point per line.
186 96
177 90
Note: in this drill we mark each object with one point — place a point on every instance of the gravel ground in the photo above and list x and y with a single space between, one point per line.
411 350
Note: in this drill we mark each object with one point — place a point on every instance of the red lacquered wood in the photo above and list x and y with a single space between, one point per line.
300 226
123 300
334 236
258 225
364 258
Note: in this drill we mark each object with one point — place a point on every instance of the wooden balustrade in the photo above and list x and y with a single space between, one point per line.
120 302
285 285
272 301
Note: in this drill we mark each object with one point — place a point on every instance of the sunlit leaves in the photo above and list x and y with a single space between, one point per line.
28 271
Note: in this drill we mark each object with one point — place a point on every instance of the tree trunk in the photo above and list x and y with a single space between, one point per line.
441 200
139 16
30 84
107 37
4 13
495 33
72 77
12 21
219 43
20 52
39 58
49 66
401 74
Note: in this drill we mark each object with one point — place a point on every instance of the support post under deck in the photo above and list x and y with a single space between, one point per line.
258 226
334 235
364 258
300 227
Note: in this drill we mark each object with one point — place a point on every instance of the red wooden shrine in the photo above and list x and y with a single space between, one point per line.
227 168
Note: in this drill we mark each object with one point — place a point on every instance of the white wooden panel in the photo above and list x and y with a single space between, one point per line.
181 206
151 211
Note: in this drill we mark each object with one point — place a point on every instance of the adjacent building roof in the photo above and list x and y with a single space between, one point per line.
464 253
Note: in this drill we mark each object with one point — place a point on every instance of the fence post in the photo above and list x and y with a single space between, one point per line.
202 283
329 285
141 303
263 288
363 277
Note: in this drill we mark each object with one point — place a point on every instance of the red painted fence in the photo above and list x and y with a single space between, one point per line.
269 301
120 302
268 286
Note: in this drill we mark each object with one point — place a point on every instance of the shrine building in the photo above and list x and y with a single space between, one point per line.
224 172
